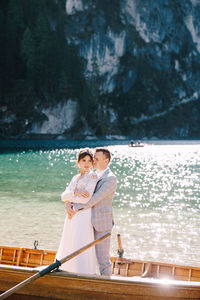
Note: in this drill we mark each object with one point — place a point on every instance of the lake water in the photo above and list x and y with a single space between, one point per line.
156 206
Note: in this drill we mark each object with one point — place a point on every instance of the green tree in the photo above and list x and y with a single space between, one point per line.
40 34
28 52
96 116
14 30
1 52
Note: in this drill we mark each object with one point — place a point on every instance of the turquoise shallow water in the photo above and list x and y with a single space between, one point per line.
156 206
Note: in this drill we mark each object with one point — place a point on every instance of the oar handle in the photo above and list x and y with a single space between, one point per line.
120 249
51 267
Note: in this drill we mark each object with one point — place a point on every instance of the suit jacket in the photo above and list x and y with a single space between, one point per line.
101 202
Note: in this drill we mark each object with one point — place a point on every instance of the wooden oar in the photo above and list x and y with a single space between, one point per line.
120 251
51 267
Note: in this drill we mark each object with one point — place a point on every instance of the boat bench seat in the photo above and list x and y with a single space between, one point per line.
26 257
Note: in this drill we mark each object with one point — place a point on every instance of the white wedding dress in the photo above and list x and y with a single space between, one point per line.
78 231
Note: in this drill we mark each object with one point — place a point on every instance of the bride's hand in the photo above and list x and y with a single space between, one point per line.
70 210
81 193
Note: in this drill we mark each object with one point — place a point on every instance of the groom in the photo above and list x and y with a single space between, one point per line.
101 204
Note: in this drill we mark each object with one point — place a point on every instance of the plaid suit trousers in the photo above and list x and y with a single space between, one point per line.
102 253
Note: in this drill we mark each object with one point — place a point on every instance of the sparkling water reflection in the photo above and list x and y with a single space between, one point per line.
156 206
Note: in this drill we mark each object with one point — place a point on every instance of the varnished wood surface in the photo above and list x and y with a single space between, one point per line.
26 257
60 285
162 281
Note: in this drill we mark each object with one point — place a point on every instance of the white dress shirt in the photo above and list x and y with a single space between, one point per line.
100 173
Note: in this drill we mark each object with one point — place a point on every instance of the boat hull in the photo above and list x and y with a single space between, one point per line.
61 285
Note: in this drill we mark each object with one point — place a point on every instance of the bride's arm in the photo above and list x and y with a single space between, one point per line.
68 194
81 193
88 189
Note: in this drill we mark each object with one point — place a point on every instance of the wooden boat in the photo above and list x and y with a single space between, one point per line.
137 144
131 279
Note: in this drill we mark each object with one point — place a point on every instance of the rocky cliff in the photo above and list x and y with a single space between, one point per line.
141 68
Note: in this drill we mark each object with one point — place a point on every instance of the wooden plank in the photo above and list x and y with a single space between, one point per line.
61 286
122 267
195 273
19 256
1 253
9 255
165 272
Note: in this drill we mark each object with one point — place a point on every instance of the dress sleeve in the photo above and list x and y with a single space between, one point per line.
68 194
90 186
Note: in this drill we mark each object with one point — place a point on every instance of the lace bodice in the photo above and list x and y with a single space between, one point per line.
86 182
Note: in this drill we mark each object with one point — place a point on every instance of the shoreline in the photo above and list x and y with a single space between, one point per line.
50 144
82 137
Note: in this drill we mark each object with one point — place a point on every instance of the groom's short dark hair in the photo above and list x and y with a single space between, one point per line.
105 151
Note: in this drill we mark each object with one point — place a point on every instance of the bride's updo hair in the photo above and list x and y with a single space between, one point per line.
83 153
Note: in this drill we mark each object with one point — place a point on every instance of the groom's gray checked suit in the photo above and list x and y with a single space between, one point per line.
102 216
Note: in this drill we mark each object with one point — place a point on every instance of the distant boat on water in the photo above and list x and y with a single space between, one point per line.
137 144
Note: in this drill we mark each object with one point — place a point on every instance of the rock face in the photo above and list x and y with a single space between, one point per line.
59 119
141 63
148 58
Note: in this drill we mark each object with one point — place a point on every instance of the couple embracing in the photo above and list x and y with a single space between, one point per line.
88 201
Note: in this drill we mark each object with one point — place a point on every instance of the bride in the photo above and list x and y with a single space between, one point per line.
78 230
